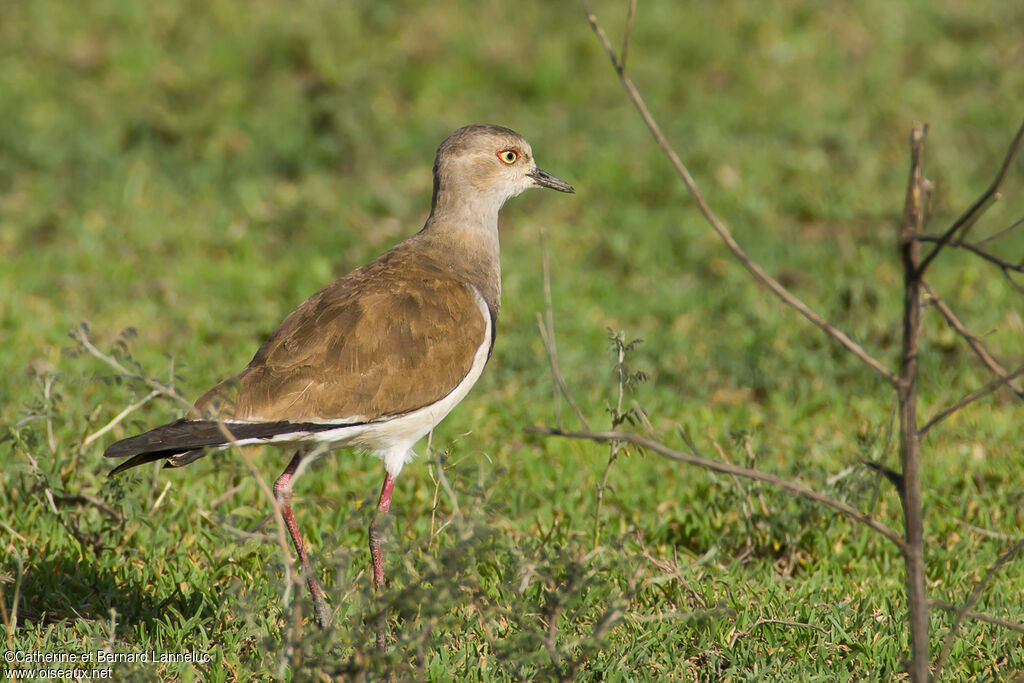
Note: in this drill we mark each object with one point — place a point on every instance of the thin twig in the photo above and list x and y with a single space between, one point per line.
629 32
773 285
547 335
551 638
983 532
10 530
1006 265
224 496
10 619
120 416
446 485
970 398
1000 233
1003 560
613 454
548 328
81 336
86 499
977 208
160 499
675 573
40 476
550 347
881 468
613 450
725 468
972 340
51 441
979 616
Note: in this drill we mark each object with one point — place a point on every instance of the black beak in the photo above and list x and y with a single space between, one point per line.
545 179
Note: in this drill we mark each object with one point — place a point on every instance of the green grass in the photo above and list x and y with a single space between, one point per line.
195 170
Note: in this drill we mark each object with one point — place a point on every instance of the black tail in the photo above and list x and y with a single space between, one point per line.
183 441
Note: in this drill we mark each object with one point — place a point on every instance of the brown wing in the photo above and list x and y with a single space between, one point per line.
395 335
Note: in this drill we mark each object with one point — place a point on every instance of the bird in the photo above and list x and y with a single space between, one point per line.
376 359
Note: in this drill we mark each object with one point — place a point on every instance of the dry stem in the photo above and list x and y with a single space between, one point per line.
972 340
906 392
81 336
974 212
971 398
972 599
756 270
726 468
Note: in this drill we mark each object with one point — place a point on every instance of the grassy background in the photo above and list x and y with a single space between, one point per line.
195 170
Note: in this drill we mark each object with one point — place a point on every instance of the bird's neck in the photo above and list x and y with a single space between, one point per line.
464 234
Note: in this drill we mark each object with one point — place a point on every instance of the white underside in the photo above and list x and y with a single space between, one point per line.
391 439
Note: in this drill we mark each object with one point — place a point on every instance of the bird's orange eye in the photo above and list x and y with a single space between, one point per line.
508 156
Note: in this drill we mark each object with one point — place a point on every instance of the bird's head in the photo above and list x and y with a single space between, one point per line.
491 163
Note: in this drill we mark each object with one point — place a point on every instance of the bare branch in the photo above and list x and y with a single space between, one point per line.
725 468
972 340
225 496
549 345
546 325
86 499
983 532
1013 283
1003 560
81 335
914 205
629 32
117 419
980 616
907 399
1004 265
971 398
996 235
976 209
759 274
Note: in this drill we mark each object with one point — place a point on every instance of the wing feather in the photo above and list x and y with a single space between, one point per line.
395 335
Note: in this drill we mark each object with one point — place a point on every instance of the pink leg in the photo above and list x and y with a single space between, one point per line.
376 558
283 494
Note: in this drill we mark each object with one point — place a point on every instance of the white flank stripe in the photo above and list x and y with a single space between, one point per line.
392 439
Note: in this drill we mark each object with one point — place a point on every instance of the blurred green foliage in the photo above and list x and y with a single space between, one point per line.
196 169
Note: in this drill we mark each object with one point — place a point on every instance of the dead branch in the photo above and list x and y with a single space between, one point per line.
980 616
84 499
979 530
725 468
546 325
81 335
759 274
629 32
974 212
906 395
970 398
1000 233
972 340
1008 267
1003 560
549 344
117 419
